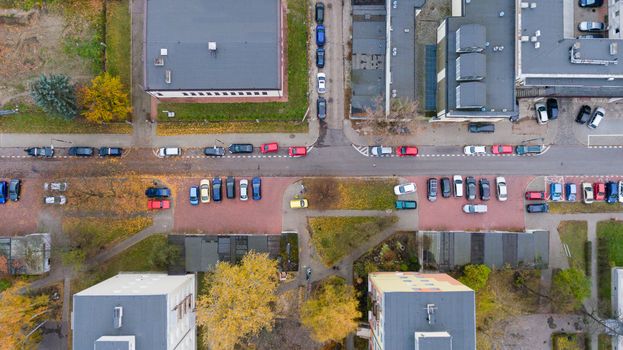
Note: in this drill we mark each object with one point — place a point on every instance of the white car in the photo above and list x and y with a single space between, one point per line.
55 200
587 191
541 113
169 151
598 116
204 191
404 189
379 151
502 192
55 186
458 185
322 83
620 191
475 208
244 189
474 150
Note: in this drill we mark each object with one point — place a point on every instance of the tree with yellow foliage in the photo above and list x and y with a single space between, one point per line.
18 316
331 312
239 301
105 100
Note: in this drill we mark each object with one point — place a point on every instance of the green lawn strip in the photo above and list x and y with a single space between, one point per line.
177 128
580 207
568 341
573 234
336 237
609 254
4 284
298 77
604 342
118 40
357 194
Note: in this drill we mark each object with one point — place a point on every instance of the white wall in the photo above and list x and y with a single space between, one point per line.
216 94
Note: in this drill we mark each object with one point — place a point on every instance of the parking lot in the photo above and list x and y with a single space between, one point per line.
595 14
22 217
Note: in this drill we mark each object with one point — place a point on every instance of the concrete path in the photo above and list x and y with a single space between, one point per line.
65 140
539 328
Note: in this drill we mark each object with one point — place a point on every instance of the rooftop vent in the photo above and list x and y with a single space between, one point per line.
614 48
118 317
167 76
159 61
430 313
164 52
212 45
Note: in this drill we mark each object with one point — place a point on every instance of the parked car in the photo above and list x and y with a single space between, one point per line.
446 187
158 204
432 189
169 152
552 108
60 200
535 195
555 191
475 208
597 117
3 192
571 191
502 191
537 208
320 57
403 151
204 189
158 192
269 147
322 83
485 189
523 149
321 108
541 113
214 151
586 26
502 149
319 13
481 127
405 205
240 148
110 151
379 151
612 192
474 150
297 151
590 3
230 187
55 186
256 184
244 189
470 188
194 195
15 186
320 35
620 191
404 189
81 151
458 185
43 152
216 189
583 115
298 203
599 189
587 193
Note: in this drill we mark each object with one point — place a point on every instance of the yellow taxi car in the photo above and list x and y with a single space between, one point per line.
298 203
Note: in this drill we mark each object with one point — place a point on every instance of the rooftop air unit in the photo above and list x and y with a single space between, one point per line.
167 76
212 45
118 317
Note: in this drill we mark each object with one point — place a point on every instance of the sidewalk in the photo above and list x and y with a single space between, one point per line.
65 140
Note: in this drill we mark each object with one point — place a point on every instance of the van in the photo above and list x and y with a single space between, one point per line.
169 151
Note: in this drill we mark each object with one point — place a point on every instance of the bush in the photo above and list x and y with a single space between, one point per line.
55 94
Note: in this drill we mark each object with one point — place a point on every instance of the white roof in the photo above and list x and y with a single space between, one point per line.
137 284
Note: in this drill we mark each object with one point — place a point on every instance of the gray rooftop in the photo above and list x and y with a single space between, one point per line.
471 95
471 66
25 255
246 32
402 39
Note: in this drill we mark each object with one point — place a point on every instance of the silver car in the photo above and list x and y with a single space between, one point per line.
55 200
55 186
474 208
244 189
591 26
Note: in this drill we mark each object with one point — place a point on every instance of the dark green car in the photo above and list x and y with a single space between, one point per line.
406 205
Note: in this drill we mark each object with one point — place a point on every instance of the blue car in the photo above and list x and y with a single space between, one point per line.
216 189
612 192
320 38
194 195
257 188
3 192
555 190
572 190
158 192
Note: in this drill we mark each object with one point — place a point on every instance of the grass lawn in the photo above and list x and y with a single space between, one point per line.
293 110
177 128
362 194
4 284
609 253
32 119
336 237
580 207
573 234
568 341
118 40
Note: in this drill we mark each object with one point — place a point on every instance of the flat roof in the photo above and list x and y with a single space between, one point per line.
402 41
132 284
247 34
389 282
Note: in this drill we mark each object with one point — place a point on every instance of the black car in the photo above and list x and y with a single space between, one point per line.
584 115
470 188
15 186
216 189
320 58
481 127
537 208
110 151
446 187
432 189
46 152
485 189
81 151
158 192
319 12
241 148
214 151
321 108
552 108
230 185
590 3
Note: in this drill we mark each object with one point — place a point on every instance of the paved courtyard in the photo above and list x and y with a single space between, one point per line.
21 217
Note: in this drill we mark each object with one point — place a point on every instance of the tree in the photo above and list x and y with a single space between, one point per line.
331 312
475 276
570 287
19 315
55 94
163 254
105 100
239 301
401 112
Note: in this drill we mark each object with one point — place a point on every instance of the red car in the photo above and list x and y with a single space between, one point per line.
158 204
297 151
269 147
403 151
502 149
535 195
599 188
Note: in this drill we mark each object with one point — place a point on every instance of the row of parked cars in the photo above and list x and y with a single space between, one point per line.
236 148
202 192
321 78
10 190
472 150
610 192
55 198
80 151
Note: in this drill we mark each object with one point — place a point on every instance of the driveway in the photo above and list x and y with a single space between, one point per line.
20 218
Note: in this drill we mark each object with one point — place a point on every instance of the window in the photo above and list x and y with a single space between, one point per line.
248 93
240 93
209 93
217 94
225 94
193 94
159 94
256 93
185 93
264 93
200 93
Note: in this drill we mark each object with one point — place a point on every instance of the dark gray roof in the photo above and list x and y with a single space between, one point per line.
402 40
471 95
201 253
471 66
113 343
247 36
471 38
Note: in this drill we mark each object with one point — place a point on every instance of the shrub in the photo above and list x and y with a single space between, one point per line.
55 94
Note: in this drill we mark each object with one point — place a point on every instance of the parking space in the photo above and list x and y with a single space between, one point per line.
231 215
578 180
446 214
592 14
610 130
19 218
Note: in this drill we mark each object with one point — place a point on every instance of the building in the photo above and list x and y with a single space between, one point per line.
214 51
26 255
142 311
420 311
615 325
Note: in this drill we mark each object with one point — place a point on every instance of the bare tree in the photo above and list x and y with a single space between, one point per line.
402 111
